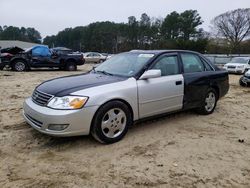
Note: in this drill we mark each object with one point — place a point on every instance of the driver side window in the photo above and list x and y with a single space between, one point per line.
89 55
168 65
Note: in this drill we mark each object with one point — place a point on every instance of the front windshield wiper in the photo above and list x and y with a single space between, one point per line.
104 72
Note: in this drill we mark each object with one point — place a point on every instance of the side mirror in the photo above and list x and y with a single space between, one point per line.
154 73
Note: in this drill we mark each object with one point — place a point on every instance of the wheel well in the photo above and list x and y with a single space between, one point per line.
120 100
16 59
216 88
70 60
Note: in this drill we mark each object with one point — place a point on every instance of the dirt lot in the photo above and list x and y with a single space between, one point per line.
181 150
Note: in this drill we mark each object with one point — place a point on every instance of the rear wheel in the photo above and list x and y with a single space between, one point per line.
209 103
101 61
19 66
111 122
244 84
71 66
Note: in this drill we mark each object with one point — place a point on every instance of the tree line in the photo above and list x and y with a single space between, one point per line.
175 31
179 31
24 34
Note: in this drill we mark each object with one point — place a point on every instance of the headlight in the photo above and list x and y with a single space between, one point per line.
240 66
67 102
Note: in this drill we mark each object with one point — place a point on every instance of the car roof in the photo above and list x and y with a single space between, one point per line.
242 57
156 52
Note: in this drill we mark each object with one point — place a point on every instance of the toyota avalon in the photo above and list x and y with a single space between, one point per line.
126 88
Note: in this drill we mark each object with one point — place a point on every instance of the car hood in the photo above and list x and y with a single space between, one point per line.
66 85
234 64
12 50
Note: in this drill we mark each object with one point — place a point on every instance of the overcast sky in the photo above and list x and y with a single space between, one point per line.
51 16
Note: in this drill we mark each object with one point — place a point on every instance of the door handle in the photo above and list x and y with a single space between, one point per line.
178 83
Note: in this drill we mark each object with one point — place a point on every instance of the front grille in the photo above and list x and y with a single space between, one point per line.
36 122
231 67
41 98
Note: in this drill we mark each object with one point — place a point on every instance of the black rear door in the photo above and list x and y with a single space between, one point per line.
196 79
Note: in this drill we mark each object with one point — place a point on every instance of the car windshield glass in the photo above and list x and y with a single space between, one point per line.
125 64
239 60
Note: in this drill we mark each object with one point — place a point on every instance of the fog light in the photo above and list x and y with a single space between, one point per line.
58 127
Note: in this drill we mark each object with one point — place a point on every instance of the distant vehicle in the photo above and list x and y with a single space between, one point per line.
94 57
7 54
126 88
238 65
39 56
245 79
62 50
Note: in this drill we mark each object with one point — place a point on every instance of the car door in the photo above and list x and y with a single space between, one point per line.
248 65
40 56
96 57
162 94
196 78
89 58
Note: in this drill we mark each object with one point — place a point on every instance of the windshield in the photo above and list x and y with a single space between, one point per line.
125 64
239 60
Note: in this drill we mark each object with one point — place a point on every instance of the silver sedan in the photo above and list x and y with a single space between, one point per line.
126 88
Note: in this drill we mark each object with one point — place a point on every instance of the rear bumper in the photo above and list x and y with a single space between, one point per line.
80 62
40 118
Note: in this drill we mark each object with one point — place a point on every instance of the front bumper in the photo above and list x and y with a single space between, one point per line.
246 79
236 70
40 117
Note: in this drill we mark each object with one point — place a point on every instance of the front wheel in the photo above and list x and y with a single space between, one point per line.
111 122
209 103
19 66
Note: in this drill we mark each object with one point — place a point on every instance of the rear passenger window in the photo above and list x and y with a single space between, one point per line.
192 63
207 66
168 65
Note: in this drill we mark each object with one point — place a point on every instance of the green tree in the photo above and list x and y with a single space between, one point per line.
170 28
23 34
189 21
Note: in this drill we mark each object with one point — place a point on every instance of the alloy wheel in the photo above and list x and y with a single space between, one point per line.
113 123
210 101
19 66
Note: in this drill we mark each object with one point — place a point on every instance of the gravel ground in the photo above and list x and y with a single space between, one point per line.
179 150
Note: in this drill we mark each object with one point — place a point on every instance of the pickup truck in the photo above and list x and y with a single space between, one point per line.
38 56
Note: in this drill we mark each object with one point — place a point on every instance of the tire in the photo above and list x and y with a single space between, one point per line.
209 103
71 66
111 122
19 66
101 61
243 84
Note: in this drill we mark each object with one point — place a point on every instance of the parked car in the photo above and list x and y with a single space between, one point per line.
41 56
62 50
245 79
6 54
94 57
126 88
238 65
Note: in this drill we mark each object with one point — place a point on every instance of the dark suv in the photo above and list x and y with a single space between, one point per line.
39 56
